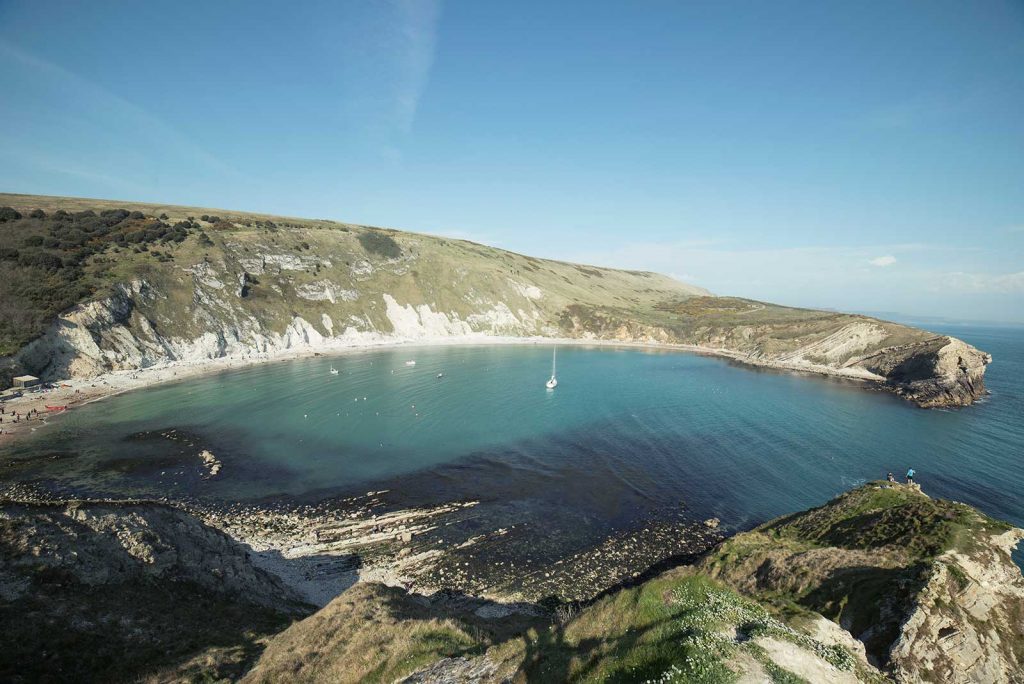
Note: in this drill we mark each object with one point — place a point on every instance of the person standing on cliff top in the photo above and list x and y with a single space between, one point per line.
910 476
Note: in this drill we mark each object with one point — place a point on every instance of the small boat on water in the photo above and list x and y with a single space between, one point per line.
553 382
440 375
334 371
410 363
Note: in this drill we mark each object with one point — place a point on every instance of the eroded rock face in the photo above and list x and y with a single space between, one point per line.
125 592
873 562
113 543
968 624
941 371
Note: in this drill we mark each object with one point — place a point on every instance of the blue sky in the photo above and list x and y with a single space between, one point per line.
852 155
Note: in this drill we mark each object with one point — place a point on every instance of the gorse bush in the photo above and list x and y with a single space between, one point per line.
375 242
9 214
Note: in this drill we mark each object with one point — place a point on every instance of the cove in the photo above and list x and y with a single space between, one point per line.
629 435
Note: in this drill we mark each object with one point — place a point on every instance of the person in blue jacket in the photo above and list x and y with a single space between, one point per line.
910 476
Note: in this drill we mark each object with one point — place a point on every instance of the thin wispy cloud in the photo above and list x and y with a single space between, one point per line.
416 41
45 161
841 277
388 60
983 283
75 90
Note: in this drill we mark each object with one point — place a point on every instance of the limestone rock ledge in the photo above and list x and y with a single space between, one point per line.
943 371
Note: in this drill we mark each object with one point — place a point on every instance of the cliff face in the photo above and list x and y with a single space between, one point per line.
928 586
880 584
116 591
941 372
241 284
968 621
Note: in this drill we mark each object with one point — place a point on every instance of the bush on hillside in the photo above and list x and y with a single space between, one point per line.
37 214
9 214
378 243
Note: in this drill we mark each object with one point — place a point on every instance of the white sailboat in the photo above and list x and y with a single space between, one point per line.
553 382
334 371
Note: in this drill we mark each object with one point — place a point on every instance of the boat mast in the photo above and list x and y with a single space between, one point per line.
553 361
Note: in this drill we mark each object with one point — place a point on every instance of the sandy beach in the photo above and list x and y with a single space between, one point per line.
33 414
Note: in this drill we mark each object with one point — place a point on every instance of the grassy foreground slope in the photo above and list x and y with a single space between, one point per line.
90 286
881 584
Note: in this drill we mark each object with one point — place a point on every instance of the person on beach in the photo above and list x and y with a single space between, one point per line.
910 476
891 477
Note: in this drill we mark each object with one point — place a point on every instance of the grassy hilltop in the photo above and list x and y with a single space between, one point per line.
90 286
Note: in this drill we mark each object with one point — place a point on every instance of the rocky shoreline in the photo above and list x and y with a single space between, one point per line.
319 550
296 588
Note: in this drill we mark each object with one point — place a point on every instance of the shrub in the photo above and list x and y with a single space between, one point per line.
164 217
115 216
378 243
9 214
33 241
139 215
43 260
37 214
8 254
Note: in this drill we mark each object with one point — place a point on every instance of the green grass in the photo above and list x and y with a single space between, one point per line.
859 560
882 516
673 628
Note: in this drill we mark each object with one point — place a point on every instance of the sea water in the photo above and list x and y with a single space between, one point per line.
629 435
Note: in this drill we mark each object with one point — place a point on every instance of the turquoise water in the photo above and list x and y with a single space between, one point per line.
628 435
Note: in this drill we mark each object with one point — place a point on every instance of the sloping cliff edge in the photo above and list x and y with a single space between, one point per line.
243 286
114 334
880 584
